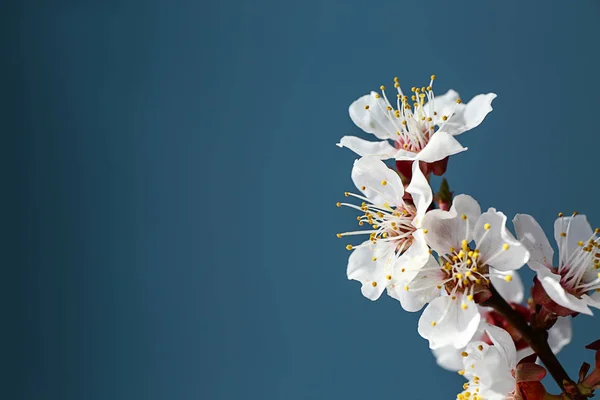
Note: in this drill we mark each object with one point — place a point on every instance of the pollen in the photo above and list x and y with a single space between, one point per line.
367 107
389 277
338 204
339 235
464 354
464 306
487 227
505 246
382 87
425 231
349 247
508 278
560 215
458 101
374 284
464 216
433 77
580 243
461 372
575 213
363 188
563 234
444 118
374 258
470 297
406 288
480 348
433 323
383 183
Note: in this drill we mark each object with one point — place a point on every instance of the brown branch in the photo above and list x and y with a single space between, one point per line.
537 340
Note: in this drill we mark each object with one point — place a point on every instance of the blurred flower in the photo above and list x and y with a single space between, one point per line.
462 274
574 284
395 242
422 127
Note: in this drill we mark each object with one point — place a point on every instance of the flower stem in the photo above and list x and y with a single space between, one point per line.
537 340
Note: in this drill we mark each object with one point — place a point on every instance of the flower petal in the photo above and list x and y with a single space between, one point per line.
553 288
496 245
381 150
449 358
370 114
408 265
575 228
470 115
445 323
380 183
560 334
446 229
371 274
511 289
421 193
423 288
504 343
440 146
534 239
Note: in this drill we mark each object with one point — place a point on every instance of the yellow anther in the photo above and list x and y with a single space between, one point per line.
468 274
461 372
470 297
374 284
374 258
508 278
464 244
469 262
389 277
346 194
452 250
406 288
367 107
383 183
403 270
363 188
458 275
487 227
429 119
349 247
382 87
425 231
432 77
444 118
597 230
433 323
575 213
338 204
464 306
480 348
395 79
505 246
466 385
429 88
580 243
396 85
563 234
464 354
458 101
464 216
339 235
560 215
478 281
453 297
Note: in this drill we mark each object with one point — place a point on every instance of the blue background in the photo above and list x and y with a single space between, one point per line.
171 175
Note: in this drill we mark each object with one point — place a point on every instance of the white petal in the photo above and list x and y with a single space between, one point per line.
453 325
382 150
362 268
576 228
376 119
503 342
497 245
440 146
422 289
553 288
593 300
560 334
449 358
443 105
381 183
417 256
446 229
532 236
470 115
421 193
511 290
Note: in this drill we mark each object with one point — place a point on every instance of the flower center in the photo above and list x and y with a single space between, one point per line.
579 269
393 224
414 118
463 271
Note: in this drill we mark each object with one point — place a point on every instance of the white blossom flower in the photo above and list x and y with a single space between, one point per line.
575 283
424 131
395 242
461 272
490 369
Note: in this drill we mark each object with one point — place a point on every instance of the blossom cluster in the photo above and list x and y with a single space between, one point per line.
446 256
